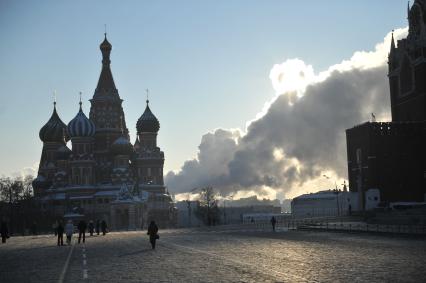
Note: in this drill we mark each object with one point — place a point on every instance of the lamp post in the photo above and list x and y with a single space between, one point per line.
336 191
188 205
224 207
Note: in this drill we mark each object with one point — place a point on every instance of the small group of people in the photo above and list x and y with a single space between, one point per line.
68 229
81 227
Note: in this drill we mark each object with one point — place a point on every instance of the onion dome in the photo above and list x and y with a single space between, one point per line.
40 182
81 126
147 122
105 45
53 130
121 146
63 153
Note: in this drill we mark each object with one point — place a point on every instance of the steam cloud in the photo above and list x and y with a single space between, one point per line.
301 133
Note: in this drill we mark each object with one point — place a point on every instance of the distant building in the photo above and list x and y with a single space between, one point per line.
253 201
331 203
391 156
104 176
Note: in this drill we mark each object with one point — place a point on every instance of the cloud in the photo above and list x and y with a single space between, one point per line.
299 135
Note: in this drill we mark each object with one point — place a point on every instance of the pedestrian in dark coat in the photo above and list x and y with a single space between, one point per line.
273 222
91 227
103 227
98 225
82 230
153 233
4 231
60 231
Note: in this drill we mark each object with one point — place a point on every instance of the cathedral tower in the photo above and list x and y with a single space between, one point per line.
149 157
52 136
407 69
82 162
106 112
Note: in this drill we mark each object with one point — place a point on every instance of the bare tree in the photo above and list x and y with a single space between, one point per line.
208 209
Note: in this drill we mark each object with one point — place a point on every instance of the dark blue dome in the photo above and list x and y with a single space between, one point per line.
122 146
81 126
54 130
148 122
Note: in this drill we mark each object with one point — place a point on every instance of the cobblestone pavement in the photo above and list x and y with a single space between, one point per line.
219 255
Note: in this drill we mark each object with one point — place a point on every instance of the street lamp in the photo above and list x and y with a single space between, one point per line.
224 210
188 205
336 192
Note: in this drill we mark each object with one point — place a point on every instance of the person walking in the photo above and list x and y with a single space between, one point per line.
82 230
273 222
98 224
4 231
91 227
60 231
55 228
103 227
153 234
69 230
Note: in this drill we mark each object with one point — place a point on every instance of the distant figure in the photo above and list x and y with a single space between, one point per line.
4 231
69 230
98 225
103 227
273 222
82 230
55 227
34 228
350 210
60 231
153 234
91 227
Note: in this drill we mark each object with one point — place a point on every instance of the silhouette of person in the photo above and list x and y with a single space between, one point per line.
60 231
82 230
98 225
273 222
4 231
69 230
91 227
153 233
103 227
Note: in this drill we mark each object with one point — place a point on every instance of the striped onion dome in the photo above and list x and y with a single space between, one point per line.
81 126
148 122
54 129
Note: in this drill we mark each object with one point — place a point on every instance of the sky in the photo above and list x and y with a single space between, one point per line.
213 69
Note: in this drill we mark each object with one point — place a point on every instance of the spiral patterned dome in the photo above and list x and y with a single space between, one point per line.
148 122
81 126
122 146
54 130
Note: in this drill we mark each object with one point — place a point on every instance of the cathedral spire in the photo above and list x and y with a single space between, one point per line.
106 83
80 101
392 43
